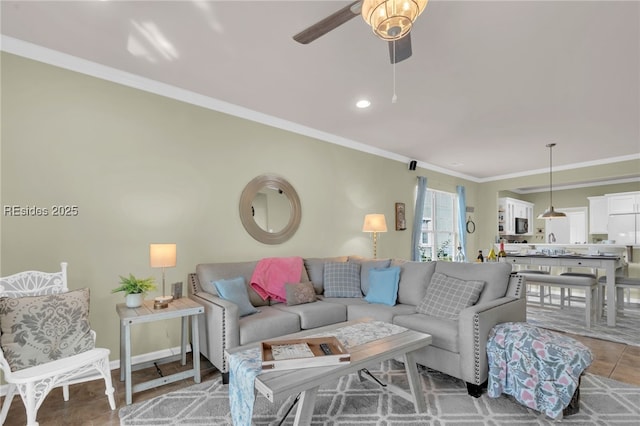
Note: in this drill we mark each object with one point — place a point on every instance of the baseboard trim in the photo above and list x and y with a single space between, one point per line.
135 360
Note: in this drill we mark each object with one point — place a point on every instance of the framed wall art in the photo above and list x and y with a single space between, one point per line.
401 222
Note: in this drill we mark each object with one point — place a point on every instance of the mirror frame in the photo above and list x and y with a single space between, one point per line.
246 215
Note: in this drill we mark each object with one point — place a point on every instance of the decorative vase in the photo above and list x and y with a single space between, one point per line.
134 300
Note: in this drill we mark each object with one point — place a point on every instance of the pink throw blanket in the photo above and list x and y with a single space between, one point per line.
271 275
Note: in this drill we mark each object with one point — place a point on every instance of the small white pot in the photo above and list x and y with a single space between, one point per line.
134 300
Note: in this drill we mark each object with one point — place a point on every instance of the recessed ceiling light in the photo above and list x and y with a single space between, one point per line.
363 103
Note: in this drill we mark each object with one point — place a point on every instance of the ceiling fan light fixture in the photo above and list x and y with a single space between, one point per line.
392 19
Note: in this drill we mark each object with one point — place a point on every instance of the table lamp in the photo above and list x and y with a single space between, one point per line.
162 256
374 223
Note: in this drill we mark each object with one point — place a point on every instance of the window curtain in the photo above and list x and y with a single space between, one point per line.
462 222
417 219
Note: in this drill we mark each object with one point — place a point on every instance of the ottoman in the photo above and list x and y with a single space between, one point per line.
540 368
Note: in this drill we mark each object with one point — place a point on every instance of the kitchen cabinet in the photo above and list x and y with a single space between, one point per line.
627 202
508 210
625 228
598 214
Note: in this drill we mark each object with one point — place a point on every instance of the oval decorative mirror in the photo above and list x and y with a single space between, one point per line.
270 209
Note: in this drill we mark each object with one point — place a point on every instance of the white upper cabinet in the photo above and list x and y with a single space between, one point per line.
598 214
508 210
627 202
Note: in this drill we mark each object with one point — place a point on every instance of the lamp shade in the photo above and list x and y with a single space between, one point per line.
391 19
374 223
162 255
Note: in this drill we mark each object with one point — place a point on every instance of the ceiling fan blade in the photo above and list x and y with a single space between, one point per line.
402 49
329 23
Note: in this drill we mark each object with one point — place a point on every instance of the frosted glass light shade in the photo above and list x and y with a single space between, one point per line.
391 19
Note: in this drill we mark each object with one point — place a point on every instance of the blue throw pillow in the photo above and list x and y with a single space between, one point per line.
234 290
383 285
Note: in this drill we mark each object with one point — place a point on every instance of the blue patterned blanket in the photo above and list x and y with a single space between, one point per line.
539 368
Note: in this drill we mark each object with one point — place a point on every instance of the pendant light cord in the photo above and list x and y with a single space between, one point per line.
394 98
551 145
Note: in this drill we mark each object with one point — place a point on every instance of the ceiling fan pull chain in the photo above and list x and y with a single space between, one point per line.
394 98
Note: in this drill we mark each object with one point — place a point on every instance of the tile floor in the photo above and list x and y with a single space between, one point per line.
88 406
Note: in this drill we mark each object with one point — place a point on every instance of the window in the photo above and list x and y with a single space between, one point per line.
439 237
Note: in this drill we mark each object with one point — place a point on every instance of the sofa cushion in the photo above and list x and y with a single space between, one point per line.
267 324
383 285
444 332
414 279
342 279
300 293
446 296
235 290
495 274
315 270
367 265
378 312
209 272
316 314
35 330
347 301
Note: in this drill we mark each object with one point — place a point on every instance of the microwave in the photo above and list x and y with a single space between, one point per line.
522 225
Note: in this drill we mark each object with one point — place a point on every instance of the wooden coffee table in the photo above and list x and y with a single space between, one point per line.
306 381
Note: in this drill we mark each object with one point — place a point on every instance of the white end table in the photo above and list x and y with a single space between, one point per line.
179 308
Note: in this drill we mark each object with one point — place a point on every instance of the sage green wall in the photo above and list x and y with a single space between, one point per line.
577 197
143 168
490 191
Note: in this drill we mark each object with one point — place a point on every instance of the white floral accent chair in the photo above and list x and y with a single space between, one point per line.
46 340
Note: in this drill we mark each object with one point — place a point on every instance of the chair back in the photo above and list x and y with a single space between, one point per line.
34 283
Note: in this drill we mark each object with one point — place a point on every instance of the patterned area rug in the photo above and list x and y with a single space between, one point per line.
350 401
571 320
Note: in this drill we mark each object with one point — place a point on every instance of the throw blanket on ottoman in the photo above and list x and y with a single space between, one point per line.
540 368
271 275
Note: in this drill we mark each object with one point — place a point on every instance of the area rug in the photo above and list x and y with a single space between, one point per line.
571 320
350 401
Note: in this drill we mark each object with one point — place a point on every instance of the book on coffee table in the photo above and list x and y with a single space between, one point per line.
303 353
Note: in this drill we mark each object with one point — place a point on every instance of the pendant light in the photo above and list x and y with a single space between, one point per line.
550 213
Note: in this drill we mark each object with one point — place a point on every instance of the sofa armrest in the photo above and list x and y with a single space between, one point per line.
219 326
474 326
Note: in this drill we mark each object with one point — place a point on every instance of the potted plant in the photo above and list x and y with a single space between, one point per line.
134 289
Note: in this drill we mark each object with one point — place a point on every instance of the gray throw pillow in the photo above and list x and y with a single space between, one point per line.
446 296
40 329
315 270
300 293
342 279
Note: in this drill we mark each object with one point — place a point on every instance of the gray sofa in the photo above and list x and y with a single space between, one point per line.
459 345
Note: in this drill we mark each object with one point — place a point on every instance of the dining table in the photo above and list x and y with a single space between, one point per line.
609 262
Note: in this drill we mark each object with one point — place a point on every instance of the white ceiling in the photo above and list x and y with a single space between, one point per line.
488 86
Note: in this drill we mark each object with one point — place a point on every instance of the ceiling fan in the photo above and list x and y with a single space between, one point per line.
391 20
